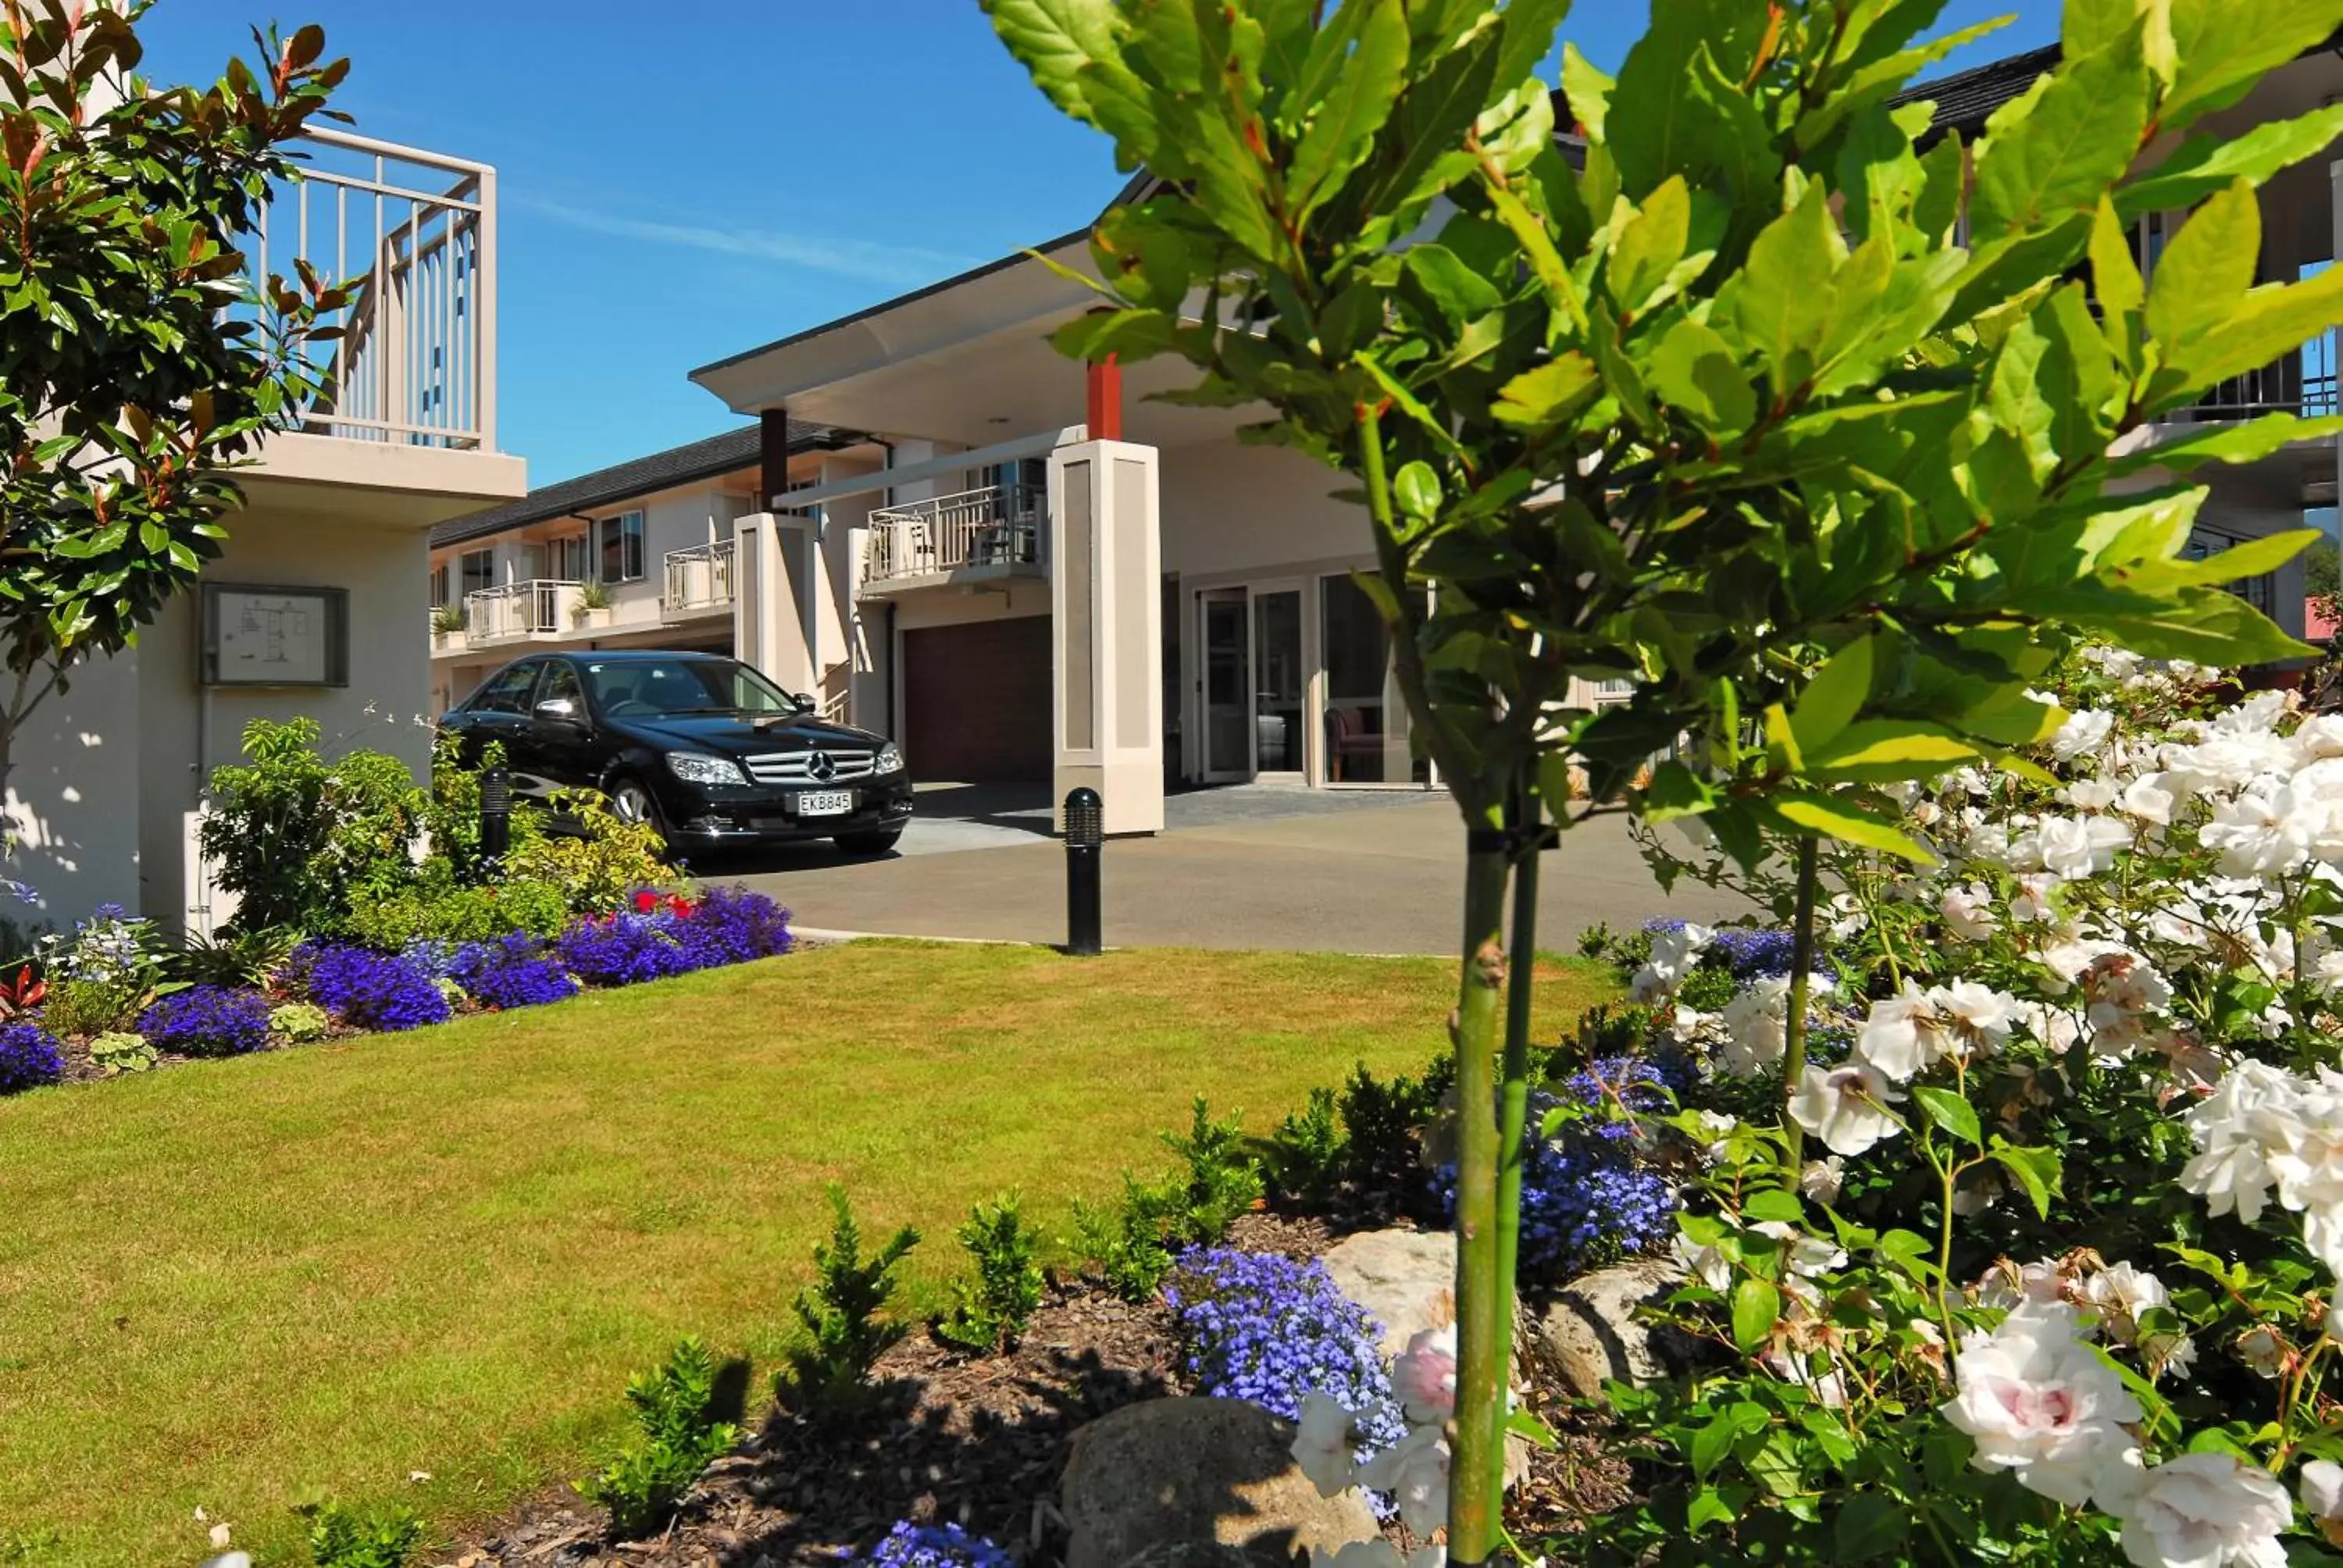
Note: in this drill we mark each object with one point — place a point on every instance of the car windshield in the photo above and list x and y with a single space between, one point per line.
639 687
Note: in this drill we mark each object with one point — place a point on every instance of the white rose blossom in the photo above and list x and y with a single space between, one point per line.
2322 1498
1846 1107
2040 1404
2083 733
1967 912
2205 1511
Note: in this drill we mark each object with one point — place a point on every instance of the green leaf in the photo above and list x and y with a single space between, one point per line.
2205 272
1417 489
1833 817
2205 625
1358 101
1586 88
1549 396
1675 791
2058 149
1774 1203
1951 1111
1756 1308
1869 1526
2205 163
2273 320
1648 244
1693 370
1525 1423
1069 48
2224 46
1881 750
2115 269
2248 442
2036 1170
1835 696
1782 302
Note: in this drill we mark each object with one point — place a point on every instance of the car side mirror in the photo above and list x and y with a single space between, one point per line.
562 710
804 699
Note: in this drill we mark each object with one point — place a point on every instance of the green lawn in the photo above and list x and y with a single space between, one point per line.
233 1284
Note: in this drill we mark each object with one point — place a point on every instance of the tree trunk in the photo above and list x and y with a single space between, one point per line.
1475 1478
1527 817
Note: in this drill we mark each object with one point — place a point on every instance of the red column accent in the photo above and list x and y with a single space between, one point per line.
1105 399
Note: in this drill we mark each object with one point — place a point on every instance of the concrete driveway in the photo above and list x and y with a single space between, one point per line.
1255 866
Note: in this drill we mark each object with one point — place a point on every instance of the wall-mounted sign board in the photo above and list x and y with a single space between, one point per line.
256 635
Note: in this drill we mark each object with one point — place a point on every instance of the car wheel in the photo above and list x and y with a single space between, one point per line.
631 803
872 843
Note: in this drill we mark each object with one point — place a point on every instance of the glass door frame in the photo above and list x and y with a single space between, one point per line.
1305 625
1239 597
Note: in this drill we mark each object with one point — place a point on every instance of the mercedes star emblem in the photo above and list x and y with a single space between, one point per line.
820 766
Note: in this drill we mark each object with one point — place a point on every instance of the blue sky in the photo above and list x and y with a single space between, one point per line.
682 182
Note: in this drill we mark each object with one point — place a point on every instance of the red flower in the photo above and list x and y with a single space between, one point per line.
645 901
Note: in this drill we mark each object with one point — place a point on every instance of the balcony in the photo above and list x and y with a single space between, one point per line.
536 607
698 580
998 531
446 638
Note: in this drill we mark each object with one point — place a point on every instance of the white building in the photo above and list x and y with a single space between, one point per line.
313 607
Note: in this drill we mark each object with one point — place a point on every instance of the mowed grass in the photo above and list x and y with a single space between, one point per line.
233 1284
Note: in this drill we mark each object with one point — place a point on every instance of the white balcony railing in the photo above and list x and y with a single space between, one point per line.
700 577
998 526
536 606
413 233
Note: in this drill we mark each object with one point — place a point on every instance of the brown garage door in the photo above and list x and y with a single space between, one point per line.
976 700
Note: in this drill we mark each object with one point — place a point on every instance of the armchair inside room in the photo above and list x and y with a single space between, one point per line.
1354 745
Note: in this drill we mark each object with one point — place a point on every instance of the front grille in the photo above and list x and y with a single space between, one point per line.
797 767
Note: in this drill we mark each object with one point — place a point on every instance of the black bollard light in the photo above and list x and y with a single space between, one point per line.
495 818
1085 838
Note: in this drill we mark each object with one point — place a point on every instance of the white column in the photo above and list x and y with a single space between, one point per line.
1106 683
771 593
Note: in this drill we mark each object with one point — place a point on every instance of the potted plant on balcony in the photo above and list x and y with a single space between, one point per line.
447 619
593 606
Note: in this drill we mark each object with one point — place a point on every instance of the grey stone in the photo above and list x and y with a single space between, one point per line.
1406 1278
1177 1472
1589 1332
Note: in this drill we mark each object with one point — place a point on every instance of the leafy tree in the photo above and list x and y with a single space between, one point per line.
139 365
1726 411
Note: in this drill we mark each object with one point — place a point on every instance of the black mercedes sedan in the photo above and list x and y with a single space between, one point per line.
701 746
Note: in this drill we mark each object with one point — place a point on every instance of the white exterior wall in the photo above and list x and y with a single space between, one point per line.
1229 510
109 774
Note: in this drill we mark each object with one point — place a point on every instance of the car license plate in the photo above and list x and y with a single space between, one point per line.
825 802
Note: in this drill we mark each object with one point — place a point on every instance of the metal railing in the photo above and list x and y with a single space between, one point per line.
533 608
2302 383
412 235
998 526
700 577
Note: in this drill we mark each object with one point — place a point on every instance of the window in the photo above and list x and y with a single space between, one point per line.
618 545
480 569
561 683
439 585
1367 725
507 691
636 686
566 559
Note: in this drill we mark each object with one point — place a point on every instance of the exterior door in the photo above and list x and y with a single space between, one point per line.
1223 637
976 701
1279 682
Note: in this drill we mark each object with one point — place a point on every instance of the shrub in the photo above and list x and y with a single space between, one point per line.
733 926
679 1437
599 864
624 949
298 1021
344 1537
1269 1329
1132 1245
101 974
118 1051
243 959
1125 1241
1380 1122
829 1372
909 1546
208 1021
298 840
439 911
514 972
1308 1151
1222 1181
367 989
29 1057
993 1311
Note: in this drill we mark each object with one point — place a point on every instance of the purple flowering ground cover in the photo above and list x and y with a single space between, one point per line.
515 972
208 1021
29 1057
367 989
947 1546
1584 1201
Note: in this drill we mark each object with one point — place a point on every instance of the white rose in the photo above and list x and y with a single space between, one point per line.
2090 794
2122 1293
2150 798
1706 1264
1414 1471
2205 1510
1757 1025
2040 1404
1821 1180
1967 912
1808 1255
2258 834
2322 1497
1324 1444
2079 846
2083 732
1846 1107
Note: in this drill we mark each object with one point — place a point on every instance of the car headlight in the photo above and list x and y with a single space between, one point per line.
699 768
889 761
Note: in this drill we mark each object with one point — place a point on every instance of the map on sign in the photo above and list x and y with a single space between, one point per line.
272 638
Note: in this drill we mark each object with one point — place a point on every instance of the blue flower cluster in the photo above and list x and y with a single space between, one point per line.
1584 1201
29 1057
208 1021
909 1546
1270 1329
1750 954
514 972
1638 1083
661 937
367 989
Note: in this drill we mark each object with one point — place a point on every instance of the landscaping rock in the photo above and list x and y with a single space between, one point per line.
1406 1278
1173 1473
1589 1333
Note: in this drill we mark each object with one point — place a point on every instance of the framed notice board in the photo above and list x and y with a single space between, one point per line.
256 635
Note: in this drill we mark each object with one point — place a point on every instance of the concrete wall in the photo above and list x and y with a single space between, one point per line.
1234 508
